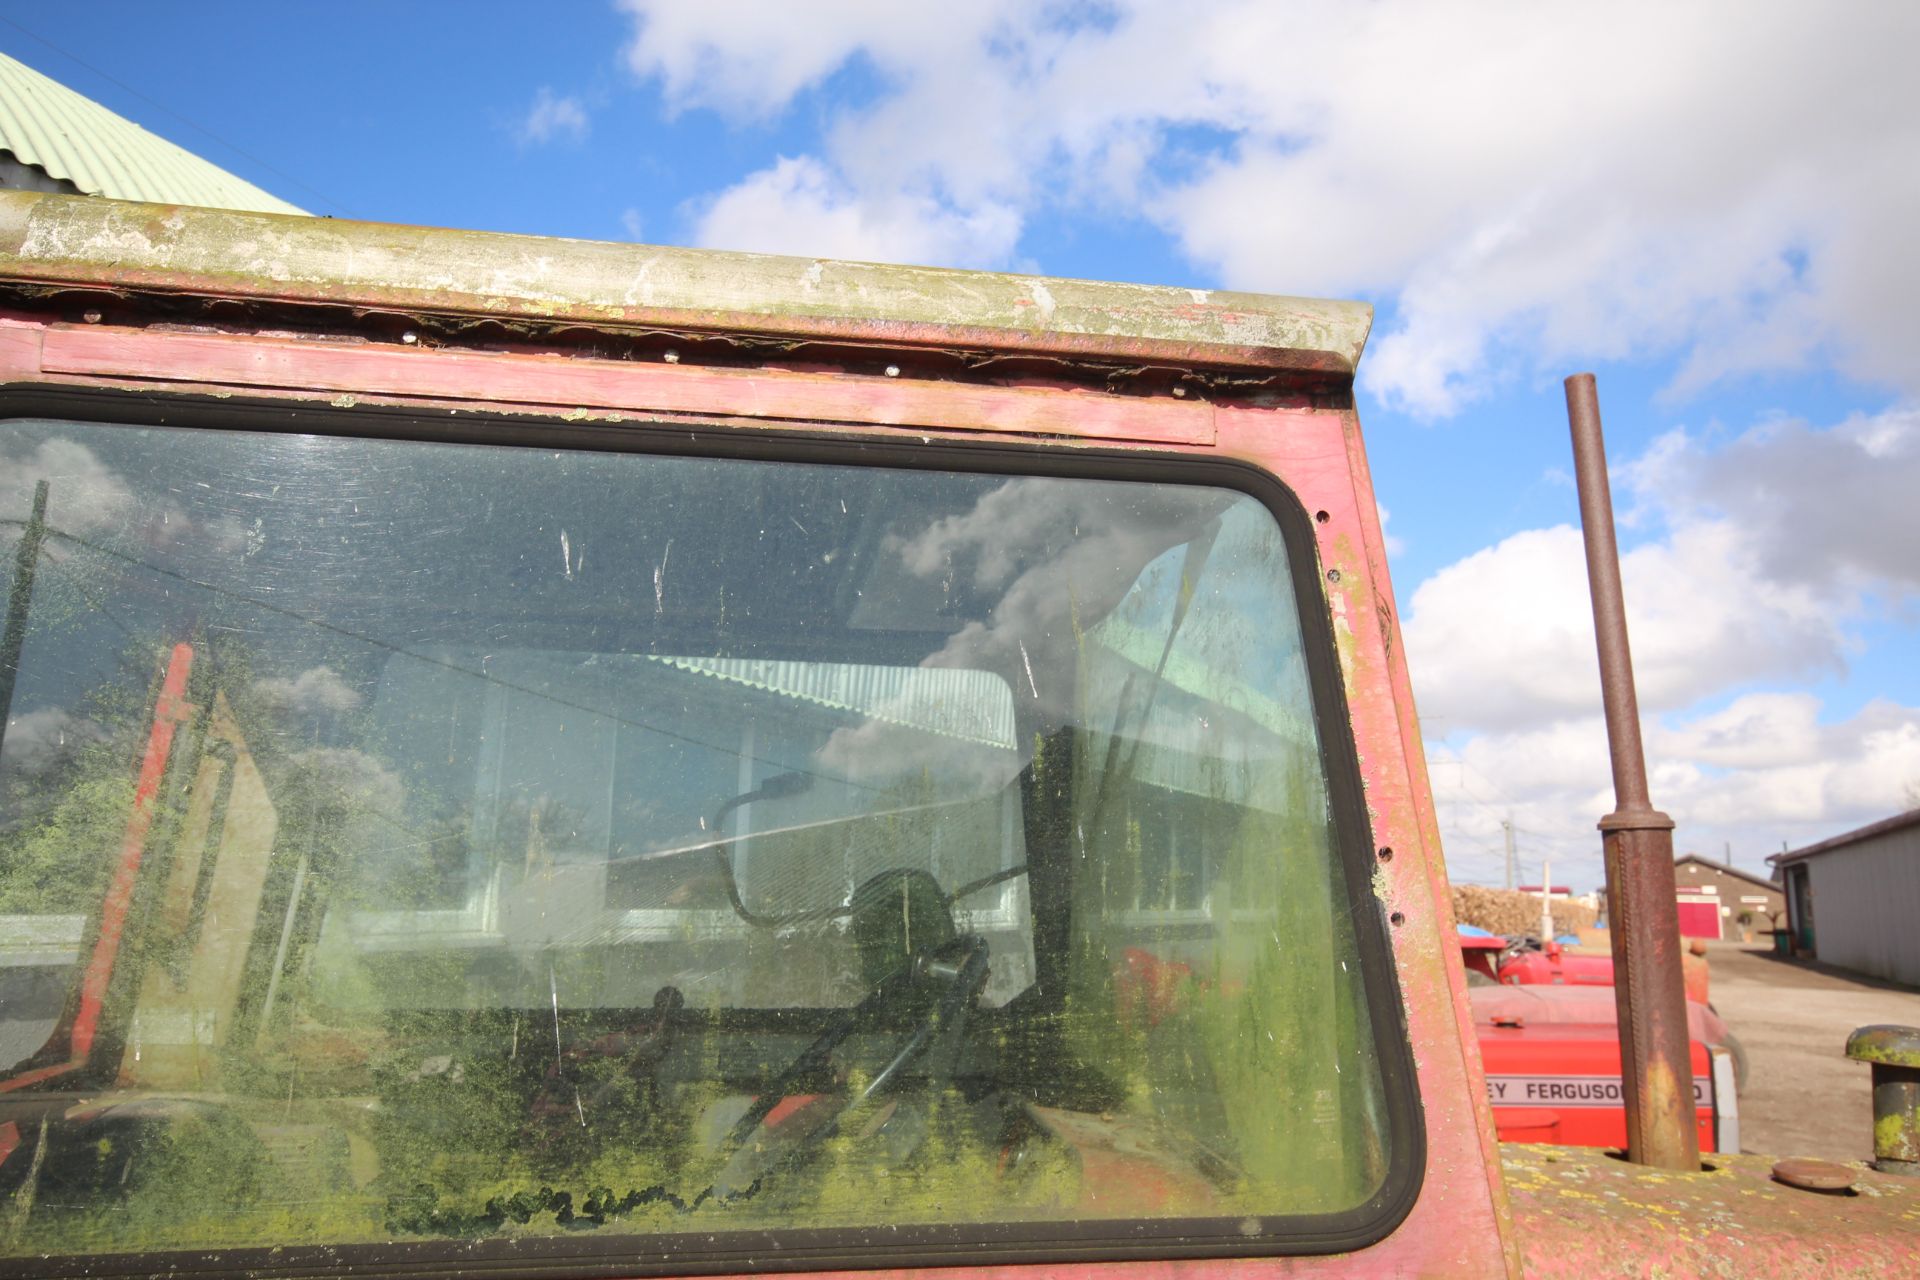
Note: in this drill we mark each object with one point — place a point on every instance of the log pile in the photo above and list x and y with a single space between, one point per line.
1513 914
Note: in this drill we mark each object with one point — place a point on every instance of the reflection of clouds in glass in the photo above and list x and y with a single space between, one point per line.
87 497
316 689
880 752
84 494
1240 638
1060 555
40 739
354 776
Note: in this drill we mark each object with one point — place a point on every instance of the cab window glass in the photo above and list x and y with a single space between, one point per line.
544 843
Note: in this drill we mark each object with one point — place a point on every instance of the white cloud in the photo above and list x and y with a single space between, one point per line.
1729 183
749 59
1758 731
1831 508
798 207
1761 553
1504 638
1765 762
1757 772
553 116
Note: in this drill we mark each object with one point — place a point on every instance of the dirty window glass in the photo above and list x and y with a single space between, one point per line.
413 843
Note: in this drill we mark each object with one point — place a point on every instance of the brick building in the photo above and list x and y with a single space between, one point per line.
1712 897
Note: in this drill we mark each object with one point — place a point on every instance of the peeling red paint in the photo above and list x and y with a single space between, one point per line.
605 384
1457 1225
1587 1213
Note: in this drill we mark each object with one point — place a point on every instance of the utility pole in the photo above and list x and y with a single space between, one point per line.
1728 846
1506 825
26 559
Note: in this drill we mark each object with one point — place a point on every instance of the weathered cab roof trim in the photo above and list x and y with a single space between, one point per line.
60 240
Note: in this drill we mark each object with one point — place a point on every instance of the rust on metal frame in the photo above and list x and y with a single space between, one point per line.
1642 912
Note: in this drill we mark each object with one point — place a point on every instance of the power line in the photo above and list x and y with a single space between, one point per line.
124 87
1497 790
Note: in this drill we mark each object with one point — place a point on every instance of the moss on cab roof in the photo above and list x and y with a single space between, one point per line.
68 240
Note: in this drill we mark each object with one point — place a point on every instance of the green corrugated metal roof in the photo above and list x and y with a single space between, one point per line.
74 138
975 706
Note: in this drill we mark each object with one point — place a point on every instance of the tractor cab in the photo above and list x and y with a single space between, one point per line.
684 836
539 758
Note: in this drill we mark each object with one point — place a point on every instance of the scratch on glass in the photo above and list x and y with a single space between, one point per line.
660 580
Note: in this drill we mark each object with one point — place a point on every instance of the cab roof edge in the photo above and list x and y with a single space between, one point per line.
84 241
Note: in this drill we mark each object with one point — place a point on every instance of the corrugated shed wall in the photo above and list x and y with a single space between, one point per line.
45 124
1866 906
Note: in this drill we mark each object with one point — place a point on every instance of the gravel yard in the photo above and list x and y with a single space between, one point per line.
1804 1097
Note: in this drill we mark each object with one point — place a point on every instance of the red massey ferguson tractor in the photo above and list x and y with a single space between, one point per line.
1547 1021
529 757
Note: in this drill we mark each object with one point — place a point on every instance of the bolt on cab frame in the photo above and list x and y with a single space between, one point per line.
688 763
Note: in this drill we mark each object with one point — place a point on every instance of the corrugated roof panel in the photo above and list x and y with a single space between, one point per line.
956 703
74 138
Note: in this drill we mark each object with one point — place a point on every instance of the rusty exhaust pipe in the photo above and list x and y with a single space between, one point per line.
1642 915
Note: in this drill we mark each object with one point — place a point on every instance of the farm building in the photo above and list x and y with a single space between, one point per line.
1714 896
1863 890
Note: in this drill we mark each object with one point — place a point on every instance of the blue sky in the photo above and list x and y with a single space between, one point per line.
1710 206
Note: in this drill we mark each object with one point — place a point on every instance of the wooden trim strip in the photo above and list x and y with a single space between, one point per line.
573 382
